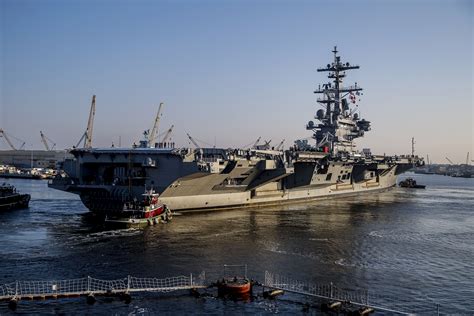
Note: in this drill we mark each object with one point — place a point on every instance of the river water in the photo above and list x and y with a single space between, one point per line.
413 246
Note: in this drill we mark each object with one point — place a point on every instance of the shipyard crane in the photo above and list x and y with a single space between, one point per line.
168 134
193 141
450 161
7 139
266 144
151 136
252 144
87 136
280 145
45 140
4 135
256 142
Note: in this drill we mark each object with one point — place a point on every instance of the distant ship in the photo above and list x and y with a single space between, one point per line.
210 178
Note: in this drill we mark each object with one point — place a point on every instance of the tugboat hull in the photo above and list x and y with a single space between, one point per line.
13 202
150 214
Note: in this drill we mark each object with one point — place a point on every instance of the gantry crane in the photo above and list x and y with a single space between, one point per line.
7 139
87 136
45 140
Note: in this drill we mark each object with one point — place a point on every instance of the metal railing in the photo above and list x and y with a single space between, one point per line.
91 286
359 297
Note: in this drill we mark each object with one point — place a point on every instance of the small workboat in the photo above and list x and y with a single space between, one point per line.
411 183
147 212
10 199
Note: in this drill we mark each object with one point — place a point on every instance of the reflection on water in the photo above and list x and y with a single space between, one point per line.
403 243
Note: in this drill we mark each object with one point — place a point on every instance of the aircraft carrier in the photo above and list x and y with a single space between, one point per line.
210 178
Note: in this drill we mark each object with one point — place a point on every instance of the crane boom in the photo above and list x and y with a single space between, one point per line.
87 135
7 138
267 144
256 142
450 161
193 141
90 125
2 133
81 139
167 135
151 137
43 139
280 145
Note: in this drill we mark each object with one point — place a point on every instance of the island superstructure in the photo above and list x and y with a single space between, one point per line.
205 179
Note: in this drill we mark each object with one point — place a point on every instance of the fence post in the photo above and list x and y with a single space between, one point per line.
330 294
88 284
16 288
437 309
128 283
191 279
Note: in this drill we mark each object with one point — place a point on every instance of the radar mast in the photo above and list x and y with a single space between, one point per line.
339 122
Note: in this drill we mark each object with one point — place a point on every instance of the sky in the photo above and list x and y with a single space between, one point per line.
231 71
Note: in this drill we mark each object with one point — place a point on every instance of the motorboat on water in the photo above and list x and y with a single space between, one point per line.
411 183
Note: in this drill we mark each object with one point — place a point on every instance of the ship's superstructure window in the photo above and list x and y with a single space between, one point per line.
328 177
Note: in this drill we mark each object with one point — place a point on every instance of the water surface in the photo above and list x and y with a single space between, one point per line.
415 246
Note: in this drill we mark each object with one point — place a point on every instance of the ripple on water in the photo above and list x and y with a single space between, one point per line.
416 246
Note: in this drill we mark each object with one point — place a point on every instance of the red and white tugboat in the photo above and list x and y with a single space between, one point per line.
148 212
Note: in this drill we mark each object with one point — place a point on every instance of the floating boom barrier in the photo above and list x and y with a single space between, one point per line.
332 297
335 298
40 290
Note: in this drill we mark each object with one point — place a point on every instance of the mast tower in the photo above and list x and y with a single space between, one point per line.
339 122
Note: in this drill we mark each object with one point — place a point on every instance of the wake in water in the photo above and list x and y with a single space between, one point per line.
375 234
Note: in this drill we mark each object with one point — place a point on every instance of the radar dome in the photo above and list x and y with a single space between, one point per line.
320 114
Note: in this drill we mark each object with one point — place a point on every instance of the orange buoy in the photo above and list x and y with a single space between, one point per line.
234 287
